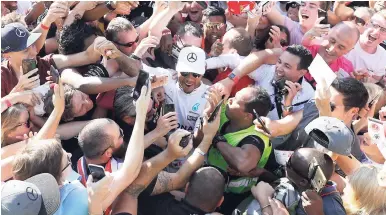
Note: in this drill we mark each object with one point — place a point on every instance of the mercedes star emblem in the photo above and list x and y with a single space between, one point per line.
31 193
20 33
192 57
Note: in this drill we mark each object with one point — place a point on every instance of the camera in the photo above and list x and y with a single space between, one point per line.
280 86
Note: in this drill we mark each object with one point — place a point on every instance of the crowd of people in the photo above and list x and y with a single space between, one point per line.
198 107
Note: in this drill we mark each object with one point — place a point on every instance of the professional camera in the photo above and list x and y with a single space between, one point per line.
280 86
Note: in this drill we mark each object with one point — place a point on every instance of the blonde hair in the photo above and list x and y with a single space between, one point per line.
368 196
40 156
9 120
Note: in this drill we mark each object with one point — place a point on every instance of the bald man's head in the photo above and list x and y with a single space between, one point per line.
340 40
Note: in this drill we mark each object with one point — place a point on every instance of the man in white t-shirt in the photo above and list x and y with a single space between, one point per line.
291 66
368 56
187 93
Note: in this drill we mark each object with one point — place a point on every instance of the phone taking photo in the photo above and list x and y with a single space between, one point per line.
97 171
323 13
316 175
29 65
167 108
55 74
261 122
142 80
215 111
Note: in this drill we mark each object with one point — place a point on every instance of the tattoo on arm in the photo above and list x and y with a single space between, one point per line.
163 184
135 189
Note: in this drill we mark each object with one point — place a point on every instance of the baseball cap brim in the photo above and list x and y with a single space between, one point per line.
183 67
32 39
50 192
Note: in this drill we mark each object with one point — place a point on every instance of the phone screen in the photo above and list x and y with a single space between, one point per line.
143 78
28 65
323 13
55 74
98 172
167 108
214 113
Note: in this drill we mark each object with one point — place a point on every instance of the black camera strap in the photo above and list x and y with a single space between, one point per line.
278 99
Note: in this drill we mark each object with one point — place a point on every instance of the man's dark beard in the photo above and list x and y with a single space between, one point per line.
121 151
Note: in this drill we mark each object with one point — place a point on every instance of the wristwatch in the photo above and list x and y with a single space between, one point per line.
233 77
109 5
216 139
135 57
288 108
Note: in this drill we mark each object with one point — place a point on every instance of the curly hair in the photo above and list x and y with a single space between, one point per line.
72 37
69 91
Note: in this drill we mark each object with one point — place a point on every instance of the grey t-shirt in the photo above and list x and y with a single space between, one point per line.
299 138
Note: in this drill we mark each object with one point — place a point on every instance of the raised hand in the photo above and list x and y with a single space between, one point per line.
274 33
174 149
142 103
58 97
145 44
166 123
26 82
106 48
216 48
57 10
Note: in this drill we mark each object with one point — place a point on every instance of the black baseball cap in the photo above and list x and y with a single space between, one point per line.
16 37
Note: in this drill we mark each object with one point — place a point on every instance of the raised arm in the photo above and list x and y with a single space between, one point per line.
94 85
275 17
57 10
78 11
248 65
134 154
153 166
48 130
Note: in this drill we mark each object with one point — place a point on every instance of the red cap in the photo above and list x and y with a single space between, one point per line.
237 7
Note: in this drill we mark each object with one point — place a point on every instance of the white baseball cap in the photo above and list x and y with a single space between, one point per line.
191 59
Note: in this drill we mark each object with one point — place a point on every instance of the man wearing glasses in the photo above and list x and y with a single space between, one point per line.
368 57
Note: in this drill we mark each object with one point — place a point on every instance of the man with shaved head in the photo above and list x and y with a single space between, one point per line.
339 40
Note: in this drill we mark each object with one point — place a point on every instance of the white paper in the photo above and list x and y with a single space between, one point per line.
377 134
282 156
319 70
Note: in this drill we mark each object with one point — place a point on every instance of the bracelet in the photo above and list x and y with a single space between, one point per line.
269 205
44 27
199 151
8 103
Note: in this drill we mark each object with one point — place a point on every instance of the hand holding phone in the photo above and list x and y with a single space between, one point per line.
316 175
98 172
29 65
261 122
54 74
142 80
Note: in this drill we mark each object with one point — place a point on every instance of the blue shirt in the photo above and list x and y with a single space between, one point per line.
73 199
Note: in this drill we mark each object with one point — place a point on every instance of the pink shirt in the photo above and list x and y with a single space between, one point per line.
342 65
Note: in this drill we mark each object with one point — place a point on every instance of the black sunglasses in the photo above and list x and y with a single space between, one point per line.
185 74
121 135
129 44
69 163
294 5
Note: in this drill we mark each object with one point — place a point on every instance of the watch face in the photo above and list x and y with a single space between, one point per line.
231 76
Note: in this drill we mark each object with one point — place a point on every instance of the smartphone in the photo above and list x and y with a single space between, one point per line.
215 111
185 140
28 65
316 175
167 108
261 122
55 74
98 172
323 13
143 79
379 94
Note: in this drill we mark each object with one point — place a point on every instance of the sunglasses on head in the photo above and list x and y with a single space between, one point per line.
129 44
27 123
185 74
359 21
